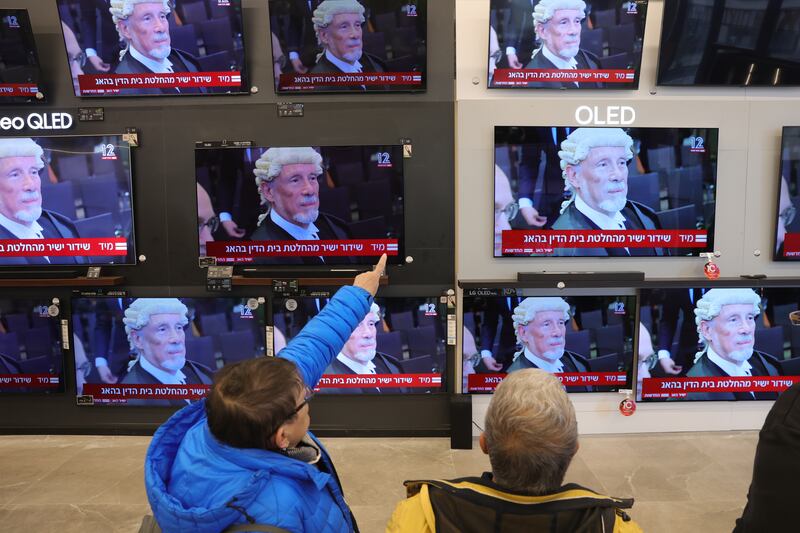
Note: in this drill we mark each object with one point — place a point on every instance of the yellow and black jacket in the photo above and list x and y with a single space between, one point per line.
477 505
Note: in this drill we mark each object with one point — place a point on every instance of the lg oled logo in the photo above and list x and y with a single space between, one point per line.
613 115
37 121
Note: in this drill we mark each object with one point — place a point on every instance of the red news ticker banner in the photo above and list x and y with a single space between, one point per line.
30 381
103 391
544 241
63 247
296 81
489 382
791 245
18 89
521 77
357 381
680 387
110 83
245 251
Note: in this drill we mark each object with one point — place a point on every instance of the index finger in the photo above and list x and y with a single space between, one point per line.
381 266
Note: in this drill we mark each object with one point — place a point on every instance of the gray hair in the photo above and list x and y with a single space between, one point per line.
531 432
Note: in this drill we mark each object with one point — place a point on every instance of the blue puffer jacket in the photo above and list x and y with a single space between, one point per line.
195 483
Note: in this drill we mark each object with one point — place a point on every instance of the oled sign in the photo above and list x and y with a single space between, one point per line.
613 115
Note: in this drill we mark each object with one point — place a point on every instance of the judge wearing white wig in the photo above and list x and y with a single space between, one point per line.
288 184
594 164
338 25
557 24
726 325
143 25
155 329
21 214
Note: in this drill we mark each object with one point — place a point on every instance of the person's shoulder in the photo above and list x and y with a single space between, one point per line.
128 65
391 362
592 61
373 63
643 209
186 57
134 374
409 516
323 65
578 357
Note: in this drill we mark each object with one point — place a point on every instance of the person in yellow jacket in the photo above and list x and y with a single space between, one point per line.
531 437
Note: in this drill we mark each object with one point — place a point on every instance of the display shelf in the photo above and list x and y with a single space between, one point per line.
82 281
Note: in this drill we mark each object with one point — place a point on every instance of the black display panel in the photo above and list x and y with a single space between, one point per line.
787 224
587 341
553 44
399 347
729 42
31 357
160 351
20 76
604 192
726 344
158 48
349 45
66 201
327 205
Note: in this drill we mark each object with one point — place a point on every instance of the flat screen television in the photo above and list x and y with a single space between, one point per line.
353 46
160 352
159 48
398 348
724 344
595 44
31 357
585 338
604 192
787 225
66 201
729 42
20 76
322 205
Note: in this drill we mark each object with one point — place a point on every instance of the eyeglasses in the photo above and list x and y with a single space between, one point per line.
212 224
281 61
79 58
510 211
85 368
788 215
497 55
307 398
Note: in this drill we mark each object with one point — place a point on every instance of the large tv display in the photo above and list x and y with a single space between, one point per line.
349 45
154 48
31 357
65 201
20 75
398 348
586 340
303 205
574 44
160 351
787 224
604 192
729 42
701 343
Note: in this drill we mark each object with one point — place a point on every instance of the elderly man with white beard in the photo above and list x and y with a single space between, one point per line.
360 355
594 164
726 325
21 212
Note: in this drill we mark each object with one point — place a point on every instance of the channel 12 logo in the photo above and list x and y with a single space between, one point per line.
619 308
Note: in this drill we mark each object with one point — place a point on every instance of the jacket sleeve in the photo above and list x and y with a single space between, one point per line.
409 517
323 337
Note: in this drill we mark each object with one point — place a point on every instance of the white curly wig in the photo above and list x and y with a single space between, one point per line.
138 313
22 147
325 12
545 9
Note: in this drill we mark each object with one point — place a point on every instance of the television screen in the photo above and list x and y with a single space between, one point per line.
158 48
787 225
399 347
349 45
19 63
65 201
324 205
587 341
729 42
549 44
599 192
160 351
31 359
698 343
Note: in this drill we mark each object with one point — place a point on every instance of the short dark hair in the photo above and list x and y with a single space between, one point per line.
251 399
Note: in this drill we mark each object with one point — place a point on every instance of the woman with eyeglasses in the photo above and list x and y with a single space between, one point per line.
244 454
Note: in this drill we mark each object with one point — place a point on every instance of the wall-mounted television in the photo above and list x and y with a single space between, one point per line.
604 192
585 338
349 46
542 44
31 356
398 348
729 42
160 351
159 48
20 75
66 201
787 225
302 205
725 344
